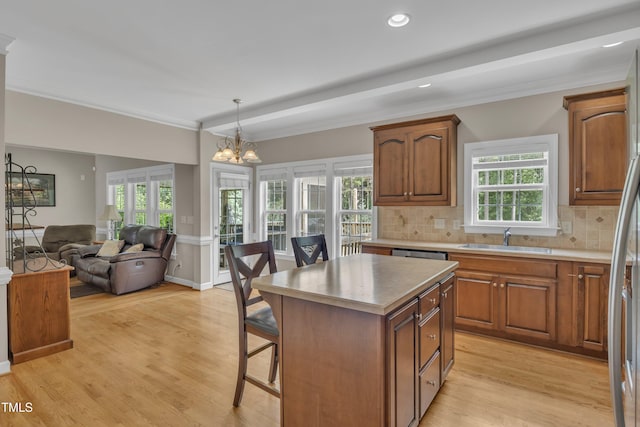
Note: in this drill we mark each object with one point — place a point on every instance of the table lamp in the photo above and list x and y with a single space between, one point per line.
110 214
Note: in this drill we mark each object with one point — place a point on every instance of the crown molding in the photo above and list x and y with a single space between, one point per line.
5 41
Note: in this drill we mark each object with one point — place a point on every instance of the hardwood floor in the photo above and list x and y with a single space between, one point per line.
167 357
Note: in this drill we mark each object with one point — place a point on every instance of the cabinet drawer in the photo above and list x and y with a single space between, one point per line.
429 299
429 383
429 336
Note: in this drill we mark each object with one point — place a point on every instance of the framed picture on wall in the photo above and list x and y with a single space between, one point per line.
31 189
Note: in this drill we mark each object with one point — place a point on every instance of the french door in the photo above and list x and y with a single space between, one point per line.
231 214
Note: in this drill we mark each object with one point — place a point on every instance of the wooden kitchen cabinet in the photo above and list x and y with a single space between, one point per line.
597 147
590 292
506 297
376 250
421 352
415 162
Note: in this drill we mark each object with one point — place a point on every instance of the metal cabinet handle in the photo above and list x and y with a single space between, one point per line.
495 285
578 189
502 285
432 300
432 336
411 193
432 383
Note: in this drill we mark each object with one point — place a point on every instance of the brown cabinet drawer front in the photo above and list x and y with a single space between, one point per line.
429 336
504 265
375 250
429 300
429 383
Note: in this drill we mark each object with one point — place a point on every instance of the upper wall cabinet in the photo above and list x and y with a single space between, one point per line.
597 147
415 162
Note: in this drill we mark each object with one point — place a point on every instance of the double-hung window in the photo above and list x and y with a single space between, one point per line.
144 196
354 182
274 190
512 183
311 197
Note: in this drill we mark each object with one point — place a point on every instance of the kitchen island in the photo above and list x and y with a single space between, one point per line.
364 339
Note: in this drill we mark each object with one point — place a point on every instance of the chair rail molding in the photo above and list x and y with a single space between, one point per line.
5 278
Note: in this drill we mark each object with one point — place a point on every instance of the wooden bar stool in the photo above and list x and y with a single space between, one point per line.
261 322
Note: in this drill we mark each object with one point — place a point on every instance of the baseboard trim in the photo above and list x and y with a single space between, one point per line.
5 367
189 283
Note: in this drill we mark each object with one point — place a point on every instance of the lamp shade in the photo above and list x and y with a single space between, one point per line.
110 213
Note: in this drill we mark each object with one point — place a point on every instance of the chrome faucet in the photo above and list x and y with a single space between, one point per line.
506 235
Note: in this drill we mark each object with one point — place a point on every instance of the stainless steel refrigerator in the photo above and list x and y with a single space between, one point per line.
624 291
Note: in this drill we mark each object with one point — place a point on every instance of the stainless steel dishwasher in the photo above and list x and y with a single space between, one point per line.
414 253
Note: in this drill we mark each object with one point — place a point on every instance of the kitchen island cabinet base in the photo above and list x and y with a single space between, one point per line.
331 364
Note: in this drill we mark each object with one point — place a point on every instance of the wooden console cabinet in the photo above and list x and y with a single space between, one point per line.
414 163
39 319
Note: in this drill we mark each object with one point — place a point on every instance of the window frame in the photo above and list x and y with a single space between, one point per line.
291 172
151 177
540 143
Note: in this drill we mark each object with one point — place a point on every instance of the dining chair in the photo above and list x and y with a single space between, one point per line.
259 322
307 249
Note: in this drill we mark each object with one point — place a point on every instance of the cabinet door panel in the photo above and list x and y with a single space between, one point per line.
591 293
597 129
529 307
476 300
447 346
403 366
390 171
427 179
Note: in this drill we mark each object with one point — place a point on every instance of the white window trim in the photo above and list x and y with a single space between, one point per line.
290 170
514 145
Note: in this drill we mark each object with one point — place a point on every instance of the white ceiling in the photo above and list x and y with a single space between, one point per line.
307 66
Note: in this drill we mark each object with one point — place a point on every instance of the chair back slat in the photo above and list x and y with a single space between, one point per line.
307 249
239 269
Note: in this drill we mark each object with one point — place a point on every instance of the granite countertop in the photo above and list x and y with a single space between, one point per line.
556 254
375 284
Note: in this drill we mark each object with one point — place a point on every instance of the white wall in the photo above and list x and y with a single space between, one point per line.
74 184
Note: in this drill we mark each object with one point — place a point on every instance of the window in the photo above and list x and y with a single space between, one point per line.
311 192
275 214
331 197
355 206
144 196
512 183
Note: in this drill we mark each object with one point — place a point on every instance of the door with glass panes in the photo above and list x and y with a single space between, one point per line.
231 214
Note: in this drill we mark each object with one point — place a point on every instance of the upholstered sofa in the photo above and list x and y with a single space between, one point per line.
128 271
60 243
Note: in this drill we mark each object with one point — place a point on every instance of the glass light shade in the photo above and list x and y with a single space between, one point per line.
250 155
219 157
227 153
236 160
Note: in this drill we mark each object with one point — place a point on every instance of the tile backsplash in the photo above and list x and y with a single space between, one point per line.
585 227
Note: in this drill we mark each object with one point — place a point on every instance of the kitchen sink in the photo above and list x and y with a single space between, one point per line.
506 248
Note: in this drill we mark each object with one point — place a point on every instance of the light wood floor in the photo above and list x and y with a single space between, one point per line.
167 357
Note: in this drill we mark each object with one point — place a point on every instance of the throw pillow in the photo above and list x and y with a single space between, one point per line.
110 248
135 248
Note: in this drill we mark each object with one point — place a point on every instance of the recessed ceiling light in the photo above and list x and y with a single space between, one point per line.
612 44
398 20
425 85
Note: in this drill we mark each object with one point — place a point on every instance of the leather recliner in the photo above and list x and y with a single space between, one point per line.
59 243
128 272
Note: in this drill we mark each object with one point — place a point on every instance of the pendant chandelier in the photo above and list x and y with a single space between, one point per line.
236 150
